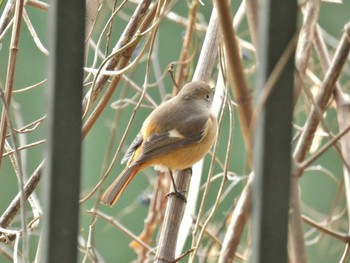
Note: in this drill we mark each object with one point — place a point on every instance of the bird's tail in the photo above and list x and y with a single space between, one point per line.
115 190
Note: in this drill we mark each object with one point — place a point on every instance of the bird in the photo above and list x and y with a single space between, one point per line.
176 134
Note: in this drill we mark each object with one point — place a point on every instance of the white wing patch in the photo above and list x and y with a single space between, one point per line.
175 134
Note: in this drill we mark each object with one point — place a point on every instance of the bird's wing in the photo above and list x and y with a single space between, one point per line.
132 148
188 132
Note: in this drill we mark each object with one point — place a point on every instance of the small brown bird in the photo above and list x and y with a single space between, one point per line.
175 135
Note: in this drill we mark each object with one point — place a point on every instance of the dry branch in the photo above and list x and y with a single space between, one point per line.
118 62
235 229
155 215
307 135
114 222
245 110
124 50
38 4
302 55
327 88
182 72
172 220
343 108
342 105
323 55
6 16
13 208
11 68
119 49
330 232
236 73
205 64
252 17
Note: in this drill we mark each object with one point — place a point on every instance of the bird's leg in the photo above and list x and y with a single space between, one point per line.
178 193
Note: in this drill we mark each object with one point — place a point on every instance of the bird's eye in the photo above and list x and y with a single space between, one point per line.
207 97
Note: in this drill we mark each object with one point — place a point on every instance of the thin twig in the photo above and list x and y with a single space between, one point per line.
6 17
6 121
155 214
323 97
236 73
345 254
115 223
98 51
342 105
98 110
191 208
33 33
203 71
17 235
307 32
197 235
126 40
15 205
182 72
308 134
322 150
235 229
147 71
115 81
252 18
92 10
325 61
110 27
23 147
11 68
39 5
223 182
337 235
31 126
30 87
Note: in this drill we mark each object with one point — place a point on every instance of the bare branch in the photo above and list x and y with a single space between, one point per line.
323 97
236 73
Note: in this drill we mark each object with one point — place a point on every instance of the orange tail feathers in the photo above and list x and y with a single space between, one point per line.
115 190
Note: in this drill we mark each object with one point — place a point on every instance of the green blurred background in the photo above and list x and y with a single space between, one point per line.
318 191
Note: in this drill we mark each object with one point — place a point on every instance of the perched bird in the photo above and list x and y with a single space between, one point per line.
176 134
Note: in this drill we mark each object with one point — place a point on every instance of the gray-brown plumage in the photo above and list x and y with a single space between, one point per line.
177 134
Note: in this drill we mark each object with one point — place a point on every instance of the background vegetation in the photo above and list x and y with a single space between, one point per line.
322 190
